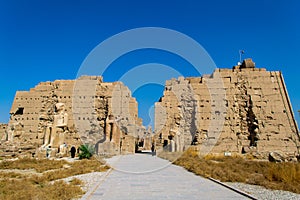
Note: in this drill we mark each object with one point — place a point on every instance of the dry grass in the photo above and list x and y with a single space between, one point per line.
29 163
171 156
281 176
76 181
39 183
25 189
11 175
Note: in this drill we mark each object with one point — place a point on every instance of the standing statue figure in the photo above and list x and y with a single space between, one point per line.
110 128
63 149
54 131
61 116
10 132
177 140
47 134
15 129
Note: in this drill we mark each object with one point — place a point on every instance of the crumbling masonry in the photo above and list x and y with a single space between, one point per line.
239 110
67 113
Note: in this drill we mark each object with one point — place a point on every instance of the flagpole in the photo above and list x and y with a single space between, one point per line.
241 52
240 56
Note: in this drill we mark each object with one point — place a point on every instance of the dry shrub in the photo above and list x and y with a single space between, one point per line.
43 165
171 156
16 189
39 186
283 176
11 175
89 165
214 157
279 172
40 165
76 181
191 152
76 168
59 190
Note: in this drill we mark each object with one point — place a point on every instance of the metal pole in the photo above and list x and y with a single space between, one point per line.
241 52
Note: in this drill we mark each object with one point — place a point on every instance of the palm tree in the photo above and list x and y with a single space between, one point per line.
86 151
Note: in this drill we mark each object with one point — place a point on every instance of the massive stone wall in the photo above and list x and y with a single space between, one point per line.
67 113
239 110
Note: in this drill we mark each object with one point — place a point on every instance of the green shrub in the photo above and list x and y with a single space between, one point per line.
86 151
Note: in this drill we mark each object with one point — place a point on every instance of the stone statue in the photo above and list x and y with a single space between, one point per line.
15 129
176 140
47 134
10 133
110 128
54 133
63 149
61 116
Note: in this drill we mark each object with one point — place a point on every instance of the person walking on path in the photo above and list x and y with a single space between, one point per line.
153 149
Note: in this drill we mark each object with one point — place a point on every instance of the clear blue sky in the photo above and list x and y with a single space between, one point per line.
48 40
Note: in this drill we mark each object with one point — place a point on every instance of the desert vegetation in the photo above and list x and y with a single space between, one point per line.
40 179
86 151
280 176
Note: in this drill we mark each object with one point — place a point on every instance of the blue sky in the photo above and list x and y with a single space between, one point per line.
48 40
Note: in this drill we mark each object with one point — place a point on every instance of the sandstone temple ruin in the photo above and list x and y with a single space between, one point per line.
240 110
66 113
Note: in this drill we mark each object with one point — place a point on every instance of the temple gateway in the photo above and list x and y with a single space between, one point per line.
231 111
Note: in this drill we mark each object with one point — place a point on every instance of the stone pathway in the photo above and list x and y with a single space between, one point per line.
142 176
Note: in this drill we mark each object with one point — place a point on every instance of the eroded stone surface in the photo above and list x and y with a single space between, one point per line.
239 110
67 113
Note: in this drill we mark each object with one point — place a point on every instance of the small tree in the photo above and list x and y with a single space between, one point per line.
86 151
